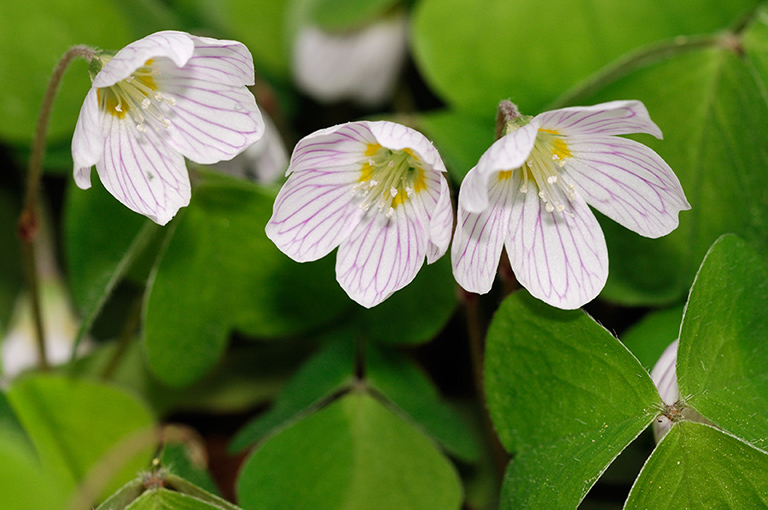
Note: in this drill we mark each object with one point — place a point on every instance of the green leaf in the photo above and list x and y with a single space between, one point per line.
648 338
535 51
23 483
403 318
353 454
714 116
565 396
177 459
220 273
344 15
74 423
98 254
325 374
33 37
697 466
10 427
461 138
162 499
414 395
723 354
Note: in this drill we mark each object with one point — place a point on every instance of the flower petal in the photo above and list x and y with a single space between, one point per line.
87 147
209 122
221 61
382 255
613 118
314 212
507 153
479 237
441 218
142 172
626 181
395 136
561 259
340 147
177 46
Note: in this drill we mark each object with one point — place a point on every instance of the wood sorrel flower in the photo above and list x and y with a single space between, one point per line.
530 190
374 189
157 100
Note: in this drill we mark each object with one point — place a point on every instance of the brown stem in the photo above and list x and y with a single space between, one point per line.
28 220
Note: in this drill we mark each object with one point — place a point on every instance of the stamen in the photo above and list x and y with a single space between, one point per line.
388 178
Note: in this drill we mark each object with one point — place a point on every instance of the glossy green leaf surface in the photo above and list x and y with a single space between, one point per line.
328 372
352 455
74 423
219 273
711 108
697 466
565 396
414 394
532 52
722 363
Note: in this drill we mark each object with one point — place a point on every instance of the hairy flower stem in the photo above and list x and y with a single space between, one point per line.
28 220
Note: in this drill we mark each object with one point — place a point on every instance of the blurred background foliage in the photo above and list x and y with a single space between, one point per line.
304 399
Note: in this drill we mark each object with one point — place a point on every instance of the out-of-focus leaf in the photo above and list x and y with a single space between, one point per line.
416 313
353 454
344 15
23 482
648 338
220 273
697 466
711 107
532 52
74 423
33 37
461 139
722 361
408 388
258 25
565 396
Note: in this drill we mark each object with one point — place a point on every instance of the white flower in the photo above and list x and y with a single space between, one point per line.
162 98
264 162
376 190
361 65
530 190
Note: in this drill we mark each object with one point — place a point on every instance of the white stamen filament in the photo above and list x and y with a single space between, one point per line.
141 101
392 173
544 168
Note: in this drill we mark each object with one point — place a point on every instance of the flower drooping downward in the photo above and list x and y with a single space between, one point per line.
165 97
530 190
374 189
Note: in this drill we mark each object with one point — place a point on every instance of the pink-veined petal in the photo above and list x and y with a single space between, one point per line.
560 257
209 122
142 172
221 61
176 46
395 136
613 118
314 212
382 255
441 221
338 148
87 144
479 237
626 181
507 153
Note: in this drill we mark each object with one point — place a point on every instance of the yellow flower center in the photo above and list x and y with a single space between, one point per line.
388 178
543 169
136 96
